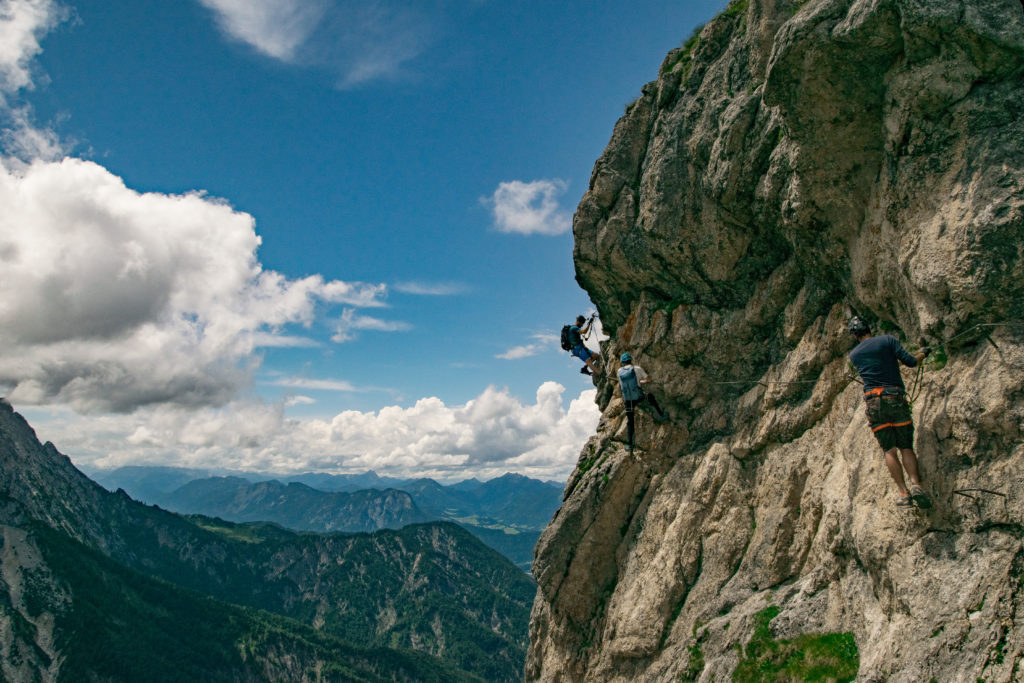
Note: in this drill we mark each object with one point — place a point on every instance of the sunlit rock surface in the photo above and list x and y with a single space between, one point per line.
796 163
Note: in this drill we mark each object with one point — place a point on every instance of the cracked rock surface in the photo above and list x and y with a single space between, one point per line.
798 163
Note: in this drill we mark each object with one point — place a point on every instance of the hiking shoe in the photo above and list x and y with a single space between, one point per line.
585 371
904 500
920 497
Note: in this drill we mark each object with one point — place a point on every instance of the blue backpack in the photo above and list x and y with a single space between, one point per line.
630 386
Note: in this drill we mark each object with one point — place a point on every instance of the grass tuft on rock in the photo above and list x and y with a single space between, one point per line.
823 657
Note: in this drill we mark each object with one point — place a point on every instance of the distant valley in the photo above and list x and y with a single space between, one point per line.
97 586
507 513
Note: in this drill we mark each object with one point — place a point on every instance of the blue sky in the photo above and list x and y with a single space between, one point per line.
272 234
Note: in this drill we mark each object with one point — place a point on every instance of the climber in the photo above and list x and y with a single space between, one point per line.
631 377
885 396
572 341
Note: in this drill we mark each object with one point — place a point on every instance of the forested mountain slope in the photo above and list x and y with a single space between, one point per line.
431 587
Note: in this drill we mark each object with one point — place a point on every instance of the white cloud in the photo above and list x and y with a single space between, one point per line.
374 41
299 400
362 41
23 23
430 288
530 208
281 341
24 141
492 434
111 299
277 28
315 384
543 342
517 352
350 323
483 436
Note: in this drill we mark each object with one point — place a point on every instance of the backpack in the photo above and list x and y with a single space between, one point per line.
566 338
630 386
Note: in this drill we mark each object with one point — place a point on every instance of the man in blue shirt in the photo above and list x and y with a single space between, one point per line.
877 360
579 349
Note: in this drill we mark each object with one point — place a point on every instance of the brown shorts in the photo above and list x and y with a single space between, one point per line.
890 420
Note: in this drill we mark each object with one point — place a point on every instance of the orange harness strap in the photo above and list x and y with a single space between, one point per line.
881 391
891 424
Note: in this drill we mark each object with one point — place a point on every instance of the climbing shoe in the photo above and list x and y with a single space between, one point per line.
920 497
904 500
585 371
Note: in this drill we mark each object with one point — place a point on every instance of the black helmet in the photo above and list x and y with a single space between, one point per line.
858 327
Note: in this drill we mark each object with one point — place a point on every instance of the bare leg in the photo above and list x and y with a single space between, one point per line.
892 462
910 464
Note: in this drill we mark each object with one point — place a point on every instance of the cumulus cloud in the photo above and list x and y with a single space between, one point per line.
483 436
351 322
274 27
111 299
489 435
530 208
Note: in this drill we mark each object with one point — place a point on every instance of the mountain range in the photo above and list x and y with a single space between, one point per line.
97 586
508 512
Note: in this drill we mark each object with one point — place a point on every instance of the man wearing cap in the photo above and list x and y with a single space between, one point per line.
877 360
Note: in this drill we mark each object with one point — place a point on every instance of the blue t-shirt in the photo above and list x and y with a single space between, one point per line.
876 361
575 338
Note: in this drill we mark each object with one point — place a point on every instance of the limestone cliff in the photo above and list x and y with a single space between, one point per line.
794 163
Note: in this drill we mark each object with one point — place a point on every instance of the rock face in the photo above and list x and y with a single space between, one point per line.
793 164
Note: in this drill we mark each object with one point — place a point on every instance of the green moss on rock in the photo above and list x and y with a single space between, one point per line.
818 657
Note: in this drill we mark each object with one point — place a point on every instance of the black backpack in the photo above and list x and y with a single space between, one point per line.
567 338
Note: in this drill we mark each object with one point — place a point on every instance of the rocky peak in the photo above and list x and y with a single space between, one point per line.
797 162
